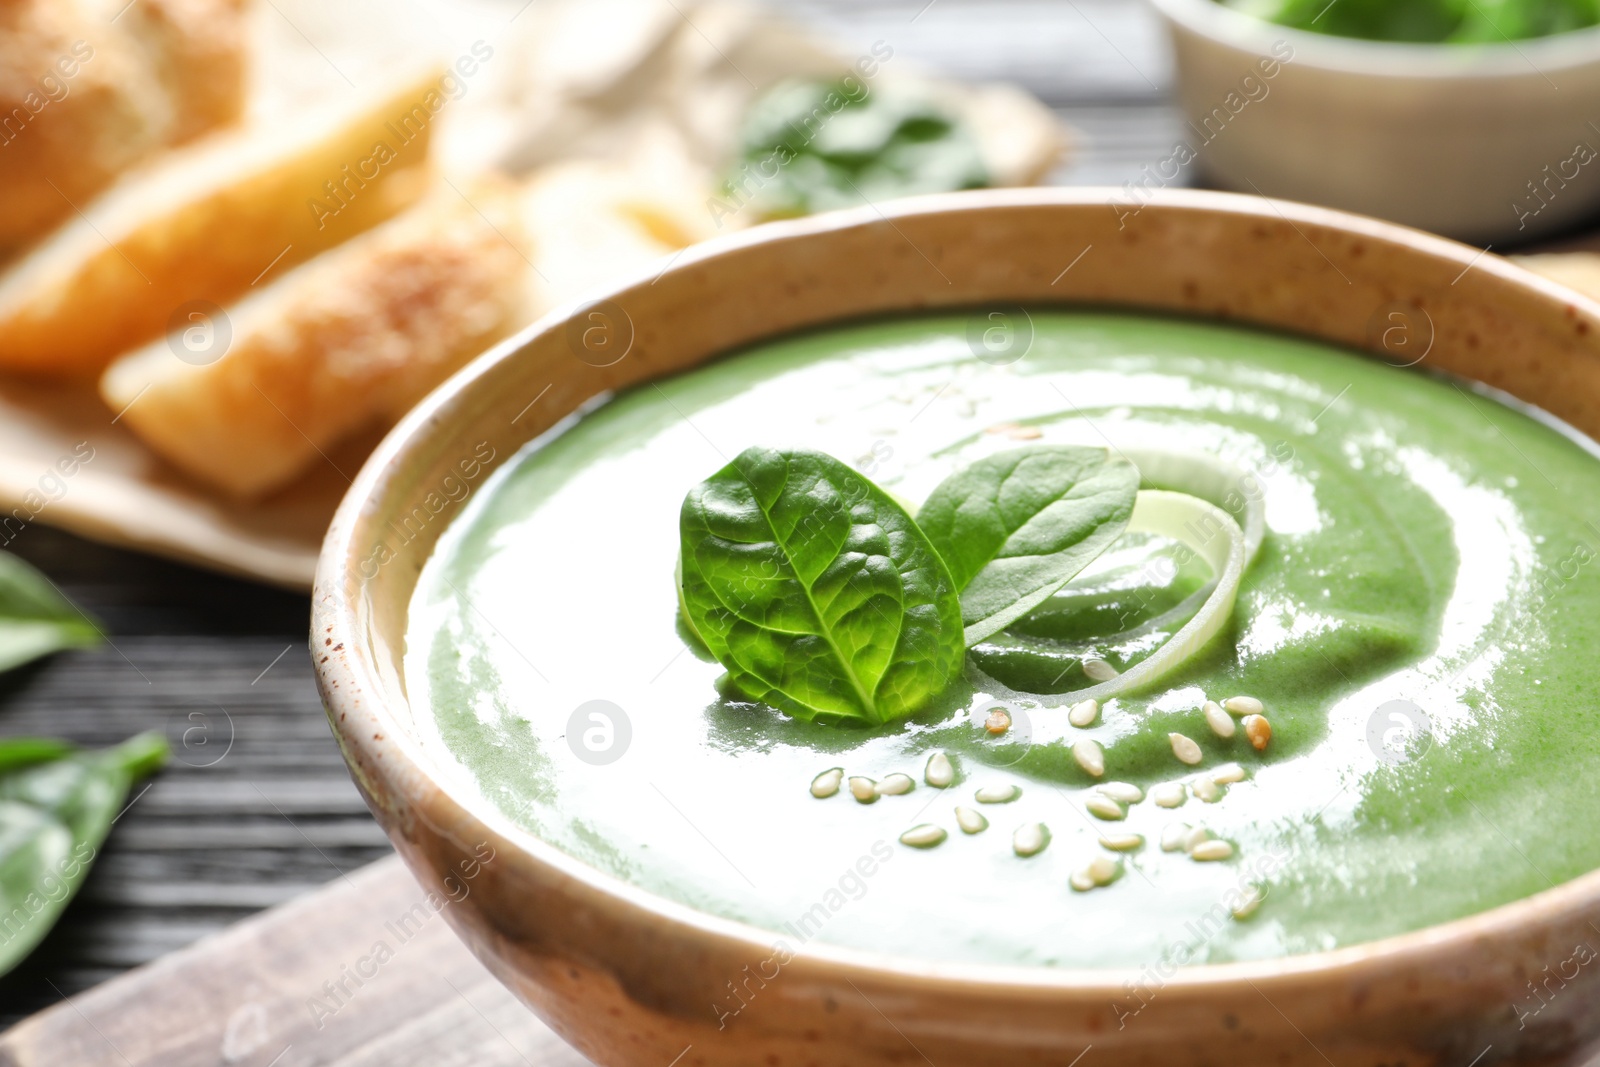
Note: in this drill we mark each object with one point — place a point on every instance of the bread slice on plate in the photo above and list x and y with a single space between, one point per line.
86 93
246 399
205 222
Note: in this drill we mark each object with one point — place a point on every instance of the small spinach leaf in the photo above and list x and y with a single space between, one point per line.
816 590
1017 526
810 146
35 619
56 807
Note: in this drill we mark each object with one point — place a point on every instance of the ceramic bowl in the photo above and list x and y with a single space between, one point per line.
630 978
1489 143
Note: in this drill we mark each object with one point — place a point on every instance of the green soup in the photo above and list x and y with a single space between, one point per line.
1425 544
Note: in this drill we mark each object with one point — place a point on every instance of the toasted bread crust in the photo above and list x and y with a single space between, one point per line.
350 340
162 237
200 49
83 99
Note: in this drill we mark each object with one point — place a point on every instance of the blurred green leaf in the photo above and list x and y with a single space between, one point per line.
808 146
35 619
57 804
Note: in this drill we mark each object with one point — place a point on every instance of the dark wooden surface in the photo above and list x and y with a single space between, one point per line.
256 807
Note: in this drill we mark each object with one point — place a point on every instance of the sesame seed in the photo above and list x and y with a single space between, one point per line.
971 822
826 784
1195 835
896 785
1258 730
997 721
1104 869
1105 808
1099 670
1082 881
1030 839
1174 836
1244 706
864 790
1090 756
1084 713
1211 851
1185 749
1122 842
925 836
1247 907
1227 774
1121 792
997 794
1205 789
1169 795
939 772
1221 722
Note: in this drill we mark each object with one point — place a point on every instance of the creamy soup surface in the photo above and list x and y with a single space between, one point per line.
1425 544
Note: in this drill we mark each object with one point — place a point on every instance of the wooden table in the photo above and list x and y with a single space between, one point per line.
257 807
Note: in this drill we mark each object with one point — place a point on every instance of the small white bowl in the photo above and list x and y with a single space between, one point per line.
1455 139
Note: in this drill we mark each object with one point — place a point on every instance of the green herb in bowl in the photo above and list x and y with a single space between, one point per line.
1428 21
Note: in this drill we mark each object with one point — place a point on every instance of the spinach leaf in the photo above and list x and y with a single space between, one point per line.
808 146
1017 526
1493 21
1377 20
56 807
816 590
35 619
1449 21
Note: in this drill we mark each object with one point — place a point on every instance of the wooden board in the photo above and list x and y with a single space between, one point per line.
300 985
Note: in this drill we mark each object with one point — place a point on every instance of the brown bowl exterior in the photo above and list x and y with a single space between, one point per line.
631 979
